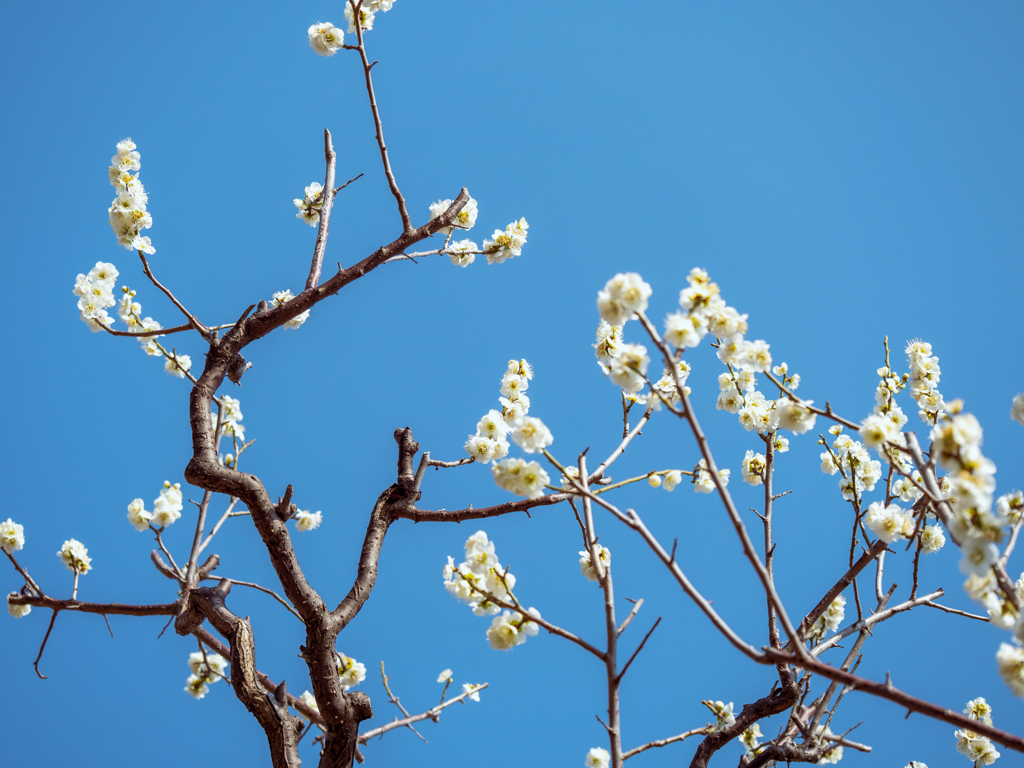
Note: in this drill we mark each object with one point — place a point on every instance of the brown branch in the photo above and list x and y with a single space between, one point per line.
639 647
327 195
664 742
367 66
431 714
282 728
632 613
469 513
104 609
203 330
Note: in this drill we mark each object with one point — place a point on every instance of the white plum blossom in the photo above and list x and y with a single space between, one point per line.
703 483
628 368
310 205
138 516
283 297
505 245
196 687
17 611
795 415
531 435
445 676
724 717
753 468
326 39
597 757
307 521
178 365
128 214
168 505
366 18
750 739
211 668
12 536
472 690
889 523
464 219
351 672
587 566
520 477
95 292
75 556
932 539
831 618
460 252
622 297
672 479
978 555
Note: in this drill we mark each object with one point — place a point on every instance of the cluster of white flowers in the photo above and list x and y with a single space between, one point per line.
753 467
604 556
282 297
479 581
850 458
166 508
830 620
672 478
889 523
702 480
622 298
750 740
465 219
75 556
231 410
924 376
490 443
95 292
738 394
307 521
206 668
310 205
724 717
978 749
597 757
178 365
130 312
351 672
884 426
502 246
12 536
128 214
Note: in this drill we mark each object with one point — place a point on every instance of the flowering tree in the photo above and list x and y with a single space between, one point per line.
905 497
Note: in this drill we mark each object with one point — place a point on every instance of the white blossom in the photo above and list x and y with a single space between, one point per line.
459 252
138 516
445 676
464 219
178 366
75 556
723 714
753 467
168 505
672 479
505 245
531 435
622 297
472 690
17 611
520 477
889 523
587 566
309 700
307 521
628 368
366 17
351 672
283 297
932 539
831 618
597 757
978 555
310 205
703 482
196 687
795 415
12 536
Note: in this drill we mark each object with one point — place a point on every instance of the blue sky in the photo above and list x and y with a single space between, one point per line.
843 171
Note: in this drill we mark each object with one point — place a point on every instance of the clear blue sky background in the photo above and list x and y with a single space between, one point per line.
843 171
